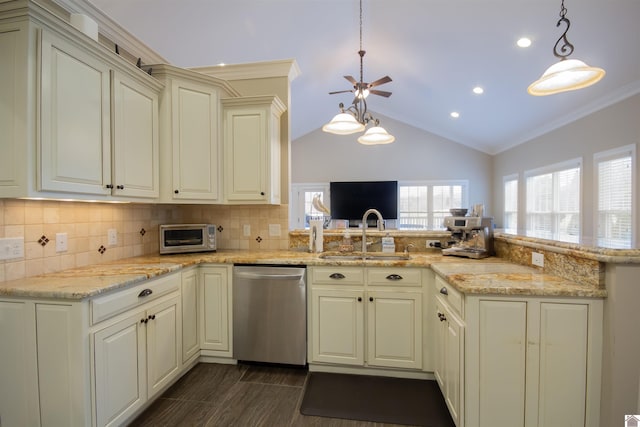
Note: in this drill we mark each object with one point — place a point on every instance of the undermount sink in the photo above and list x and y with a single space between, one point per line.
368 256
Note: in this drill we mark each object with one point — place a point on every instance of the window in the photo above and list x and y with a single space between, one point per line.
510 203
301 208
614 172
553 202
425 204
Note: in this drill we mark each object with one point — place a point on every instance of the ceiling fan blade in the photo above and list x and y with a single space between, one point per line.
351 80
381 81
340 91
380 92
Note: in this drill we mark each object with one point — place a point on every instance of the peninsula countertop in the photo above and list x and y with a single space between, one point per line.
487 276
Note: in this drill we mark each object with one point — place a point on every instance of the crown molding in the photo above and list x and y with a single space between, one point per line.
167 71
113 31
253 70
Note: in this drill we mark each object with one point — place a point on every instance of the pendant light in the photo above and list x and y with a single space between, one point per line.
568 74
355 118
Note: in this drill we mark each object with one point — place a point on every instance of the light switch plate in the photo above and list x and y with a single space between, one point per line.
112 237
537 259
11 247
246 230
62 242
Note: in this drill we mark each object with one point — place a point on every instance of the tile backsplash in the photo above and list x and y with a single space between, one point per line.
87 225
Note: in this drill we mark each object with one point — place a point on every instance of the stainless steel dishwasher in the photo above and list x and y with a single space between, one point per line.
270 314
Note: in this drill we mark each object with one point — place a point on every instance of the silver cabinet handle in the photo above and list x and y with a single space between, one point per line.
337 276
394 277
444 291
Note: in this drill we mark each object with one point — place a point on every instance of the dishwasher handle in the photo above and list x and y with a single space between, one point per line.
261 276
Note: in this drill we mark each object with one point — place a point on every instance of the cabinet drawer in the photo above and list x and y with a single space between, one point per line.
109 305
449 294
337 275
394 277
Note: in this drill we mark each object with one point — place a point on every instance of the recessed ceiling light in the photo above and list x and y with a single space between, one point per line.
221 64
478 90
455 114
524 42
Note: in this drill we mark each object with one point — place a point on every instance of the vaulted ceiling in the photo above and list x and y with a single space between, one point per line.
436 52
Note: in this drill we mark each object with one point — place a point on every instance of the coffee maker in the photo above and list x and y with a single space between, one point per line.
472 236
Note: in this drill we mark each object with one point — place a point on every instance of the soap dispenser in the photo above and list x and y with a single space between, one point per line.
388 244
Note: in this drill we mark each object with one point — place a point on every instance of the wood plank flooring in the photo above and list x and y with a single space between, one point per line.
215 395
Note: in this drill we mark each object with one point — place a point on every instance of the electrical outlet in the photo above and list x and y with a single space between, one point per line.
433 243
112 237
62 242
537 259
246 230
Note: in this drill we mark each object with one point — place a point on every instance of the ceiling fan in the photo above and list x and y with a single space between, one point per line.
360 88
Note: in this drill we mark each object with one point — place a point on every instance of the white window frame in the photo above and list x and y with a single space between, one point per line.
296 202
615 153
557 167
430 184
508 178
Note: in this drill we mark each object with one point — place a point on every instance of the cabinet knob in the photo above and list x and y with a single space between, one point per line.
359 299
444 291
370 298
262 193
145 292
109 186
337 276
152 316
120 187
394 277
442 317
176 191
144 320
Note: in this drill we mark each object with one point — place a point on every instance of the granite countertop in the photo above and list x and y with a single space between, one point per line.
503 278
489 275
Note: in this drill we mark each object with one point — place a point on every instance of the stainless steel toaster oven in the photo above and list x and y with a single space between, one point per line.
184 238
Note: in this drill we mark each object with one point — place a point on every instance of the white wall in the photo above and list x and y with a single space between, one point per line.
615 126
416 155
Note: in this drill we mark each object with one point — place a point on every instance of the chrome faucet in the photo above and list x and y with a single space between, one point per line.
364 228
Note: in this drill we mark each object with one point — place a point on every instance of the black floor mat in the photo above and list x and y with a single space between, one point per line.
376 399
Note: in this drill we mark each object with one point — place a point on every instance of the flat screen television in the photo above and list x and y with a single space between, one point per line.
350 200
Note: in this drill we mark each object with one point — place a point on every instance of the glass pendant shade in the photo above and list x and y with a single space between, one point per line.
343 124
566 75
376 135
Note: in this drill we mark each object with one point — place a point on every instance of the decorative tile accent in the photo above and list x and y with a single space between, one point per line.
143 232
258 239
220 228
102 249
43 240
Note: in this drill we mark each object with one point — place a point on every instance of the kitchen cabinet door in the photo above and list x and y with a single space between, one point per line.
190 310
120 369
75 127
337 326
163 351
215 312
394 325
135 139
252 149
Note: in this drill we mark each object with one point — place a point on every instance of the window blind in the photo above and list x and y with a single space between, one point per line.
615 202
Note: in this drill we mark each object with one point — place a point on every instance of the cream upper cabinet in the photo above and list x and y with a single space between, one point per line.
81 122
252 149
365 316
190 135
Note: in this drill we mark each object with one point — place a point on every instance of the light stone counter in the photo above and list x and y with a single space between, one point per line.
490 275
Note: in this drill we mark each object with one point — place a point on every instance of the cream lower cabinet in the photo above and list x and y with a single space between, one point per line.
214 292
533 361
44 369
136 349
190 317
359 317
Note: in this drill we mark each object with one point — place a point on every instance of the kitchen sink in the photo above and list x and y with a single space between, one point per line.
368 256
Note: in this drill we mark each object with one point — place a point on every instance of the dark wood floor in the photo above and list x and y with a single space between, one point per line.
238 395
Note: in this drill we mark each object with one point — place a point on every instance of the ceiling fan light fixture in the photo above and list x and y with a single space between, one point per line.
343 124
568 74
376 135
